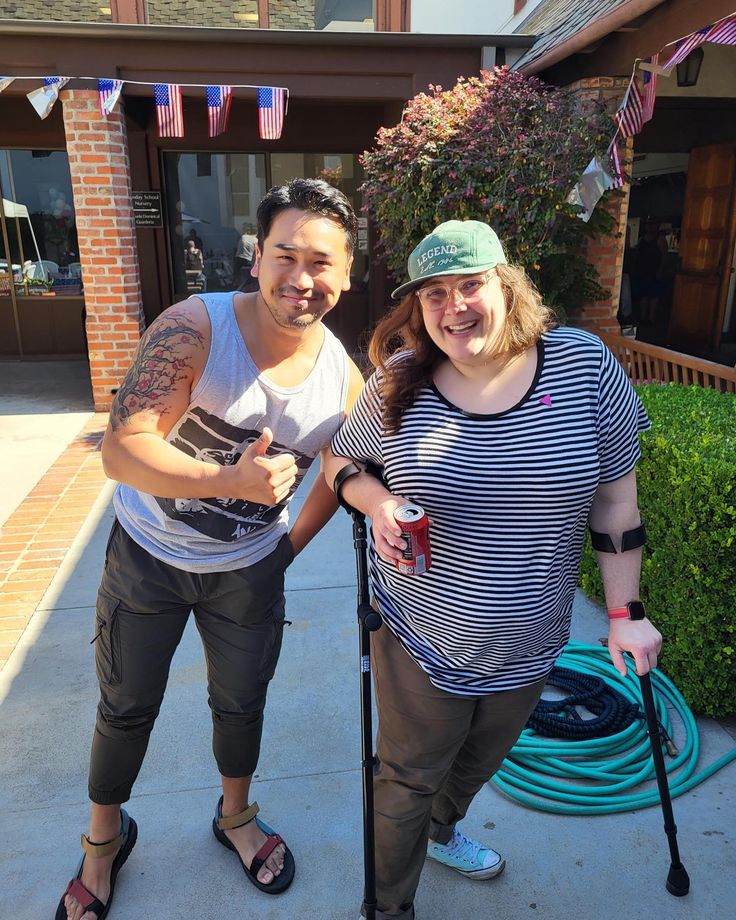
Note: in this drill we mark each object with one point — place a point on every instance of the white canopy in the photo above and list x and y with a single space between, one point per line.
13 209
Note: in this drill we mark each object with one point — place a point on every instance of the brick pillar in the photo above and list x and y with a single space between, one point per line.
607 252
100 172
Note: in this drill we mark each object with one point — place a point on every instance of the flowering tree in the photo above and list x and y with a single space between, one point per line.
502 148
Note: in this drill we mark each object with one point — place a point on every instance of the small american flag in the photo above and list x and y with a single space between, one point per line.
219 100
167 97
650 89
686 45
629 116
616 166
109 91
271 106
723 32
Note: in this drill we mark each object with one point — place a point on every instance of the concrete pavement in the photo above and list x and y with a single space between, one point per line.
43 405
308 782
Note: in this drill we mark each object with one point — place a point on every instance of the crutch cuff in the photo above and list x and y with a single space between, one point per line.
630 539
352 469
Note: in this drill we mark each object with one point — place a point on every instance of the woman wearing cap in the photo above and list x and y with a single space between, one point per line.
512 434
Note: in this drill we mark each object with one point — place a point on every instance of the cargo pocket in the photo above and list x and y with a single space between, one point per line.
107 640
273 640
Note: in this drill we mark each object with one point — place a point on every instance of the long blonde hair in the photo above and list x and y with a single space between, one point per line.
527 318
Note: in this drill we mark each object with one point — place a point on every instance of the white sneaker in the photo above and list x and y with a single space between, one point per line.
467 856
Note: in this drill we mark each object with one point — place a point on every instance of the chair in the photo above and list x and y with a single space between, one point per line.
75 269
42 269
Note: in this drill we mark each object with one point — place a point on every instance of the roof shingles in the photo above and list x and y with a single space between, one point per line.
557 20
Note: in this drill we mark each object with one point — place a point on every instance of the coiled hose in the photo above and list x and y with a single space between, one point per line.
599 775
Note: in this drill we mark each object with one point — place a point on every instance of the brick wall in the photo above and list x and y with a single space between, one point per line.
99 167
607 253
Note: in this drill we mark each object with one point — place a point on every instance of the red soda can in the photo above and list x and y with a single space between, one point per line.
417 557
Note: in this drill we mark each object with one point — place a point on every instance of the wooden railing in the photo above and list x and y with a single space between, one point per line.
645 363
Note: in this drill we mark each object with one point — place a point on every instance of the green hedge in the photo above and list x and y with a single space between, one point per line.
687 493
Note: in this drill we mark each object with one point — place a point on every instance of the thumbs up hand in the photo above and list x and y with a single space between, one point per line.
259 478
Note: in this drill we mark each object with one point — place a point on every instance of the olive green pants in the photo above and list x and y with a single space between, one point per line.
142 608
434 751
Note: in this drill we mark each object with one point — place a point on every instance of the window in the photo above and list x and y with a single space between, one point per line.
237 14
38 224
211 202
337 15
66 11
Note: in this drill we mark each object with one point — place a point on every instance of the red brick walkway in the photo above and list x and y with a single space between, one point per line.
38 535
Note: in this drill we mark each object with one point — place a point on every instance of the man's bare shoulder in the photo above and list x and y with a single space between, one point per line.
190 312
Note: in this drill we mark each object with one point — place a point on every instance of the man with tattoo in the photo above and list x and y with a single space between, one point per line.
230 395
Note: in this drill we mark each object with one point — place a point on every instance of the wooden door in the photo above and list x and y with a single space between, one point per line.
706 249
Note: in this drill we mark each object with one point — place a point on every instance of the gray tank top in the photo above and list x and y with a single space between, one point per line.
229 408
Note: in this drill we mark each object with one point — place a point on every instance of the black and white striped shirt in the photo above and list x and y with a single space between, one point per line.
508 496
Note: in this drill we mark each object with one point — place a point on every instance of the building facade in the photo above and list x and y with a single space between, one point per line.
98 213
672 266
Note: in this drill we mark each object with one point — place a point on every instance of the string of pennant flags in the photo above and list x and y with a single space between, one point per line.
272 102
637 108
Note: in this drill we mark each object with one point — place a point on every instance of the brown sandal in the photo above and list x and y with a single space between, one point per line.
123 844
281 881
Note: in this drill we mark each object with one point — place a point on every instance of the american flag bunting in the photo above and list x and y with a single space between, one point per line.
720 33
617 171
650 89
271 107
629 116
723 32
167 97
109 92
43 98
219 100
686 45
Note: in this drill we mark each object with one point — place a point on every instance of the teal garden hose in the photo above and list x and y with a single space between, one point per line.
602 775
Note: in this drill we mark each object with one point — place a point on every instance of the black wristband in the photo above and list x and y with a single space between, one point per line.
346 472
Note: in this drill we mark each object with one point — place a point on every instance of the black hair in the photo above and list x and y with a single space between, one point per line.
313 195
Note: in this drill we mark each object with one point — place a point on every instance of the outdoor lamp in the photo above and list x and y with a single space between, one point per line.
689 69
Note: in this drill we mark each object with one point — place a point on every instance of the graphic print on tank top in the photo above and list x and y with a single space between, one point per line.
209 438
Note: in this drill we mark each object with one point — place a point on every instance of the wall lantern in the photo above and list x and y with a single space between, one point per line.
689 69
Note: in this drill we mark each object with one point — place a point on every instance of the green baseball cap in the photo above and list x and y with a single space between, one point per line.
456 247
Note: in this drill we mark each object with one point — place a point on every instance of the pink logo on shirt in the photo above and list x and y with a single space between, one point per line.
546 400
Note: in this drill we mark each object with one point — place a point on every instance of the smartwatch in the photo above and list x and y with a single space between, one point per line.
634 610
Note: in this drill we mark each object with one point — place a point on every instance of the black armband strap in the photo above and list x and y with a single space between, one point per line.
630 539
352 469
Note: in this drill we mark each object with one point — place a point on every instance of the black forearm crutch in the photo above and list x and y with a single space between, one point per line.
678 881
369 621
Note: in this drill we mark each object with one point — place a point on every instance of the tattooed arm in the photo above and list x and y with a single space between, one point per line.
154 395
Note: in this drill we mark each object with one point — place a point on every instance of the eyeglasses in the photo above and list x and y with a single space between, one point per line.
437 296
